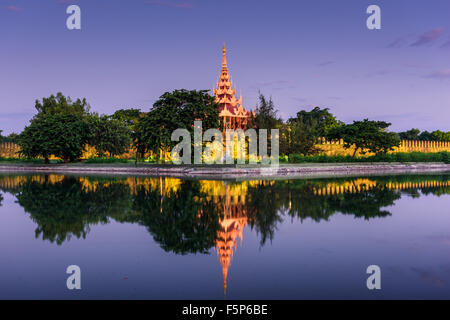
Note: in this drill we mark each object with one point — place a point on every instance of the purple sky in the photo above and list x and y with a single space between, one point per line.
302 53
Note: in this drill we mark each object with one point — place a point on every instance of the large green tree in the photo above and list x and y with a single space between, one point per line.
62 135
131 118
297 137
60 104
108 135
319 120
299 134
59 128
412 134
366 136
174 110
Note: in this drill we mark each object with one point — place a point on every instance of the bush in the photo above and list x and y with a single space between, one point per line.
32 160
445 157
106 160
387 157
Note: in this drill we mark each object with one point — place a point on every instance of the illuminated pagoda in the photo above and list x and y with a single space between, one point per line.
231 111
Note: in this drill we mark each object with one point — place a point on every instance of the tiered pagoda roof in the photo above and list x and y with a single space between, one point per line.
225 95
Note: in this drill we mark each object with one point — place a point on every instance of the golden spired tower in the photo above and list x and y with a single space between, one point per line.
231 111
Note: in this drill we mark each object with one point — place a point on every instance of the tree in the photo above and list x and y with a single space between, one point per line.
266 114
60 104
319 120
366 136
300 134
412 134
12 137
128 116
174 110
108 135
297 137
131 118
62 135
59 128
441 136
427 136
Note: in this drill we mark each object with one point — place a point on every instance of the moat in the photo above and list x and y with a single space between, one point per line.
137 237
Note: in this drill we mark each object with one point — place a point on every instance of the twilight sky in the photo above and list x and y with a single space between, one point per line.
303 53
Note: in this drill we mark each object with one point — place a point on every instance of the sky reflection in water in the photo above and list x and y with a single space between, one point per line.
166 238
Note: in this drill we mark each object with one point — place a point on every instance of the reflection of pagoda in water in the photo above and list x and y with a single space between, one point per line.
232 227
232 200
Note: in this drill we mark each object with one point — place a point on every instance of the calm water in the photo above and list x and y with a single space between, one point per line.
165 238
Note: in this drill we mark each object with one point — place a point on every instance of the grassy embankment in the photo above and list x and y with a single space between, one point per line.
295 158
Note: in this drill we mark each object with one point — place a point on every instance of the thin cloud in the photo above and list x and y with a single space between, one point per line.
335 98
429 277
446 44
163 3
13 8
397 43
325 63
428 37
402 41
378 73
298 99
271 83
442 74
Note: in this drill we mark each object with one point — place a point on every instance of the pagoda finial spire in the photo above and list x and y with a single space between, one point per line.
224 58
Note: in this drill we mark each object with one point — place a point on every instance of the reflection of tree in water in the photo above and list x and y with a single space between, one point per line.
194 216
185 216
1 199
365 204
183 221
64 209
297 199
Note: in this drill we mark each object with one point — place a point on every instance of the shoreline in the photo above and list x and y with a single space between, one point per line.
244 172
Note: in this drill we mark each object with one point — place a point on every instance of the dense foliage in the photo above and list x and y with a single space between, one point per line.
108 135
365 136
300 134
63 128
176 110
390 157
63 135
415 134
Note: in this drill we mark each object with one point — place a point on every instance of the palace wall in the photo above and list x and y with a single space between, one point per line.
336 148
331 148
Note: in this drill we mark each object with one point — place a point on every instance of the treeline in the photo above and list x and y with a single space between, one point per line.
299 134
63 127
416 135
12 137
